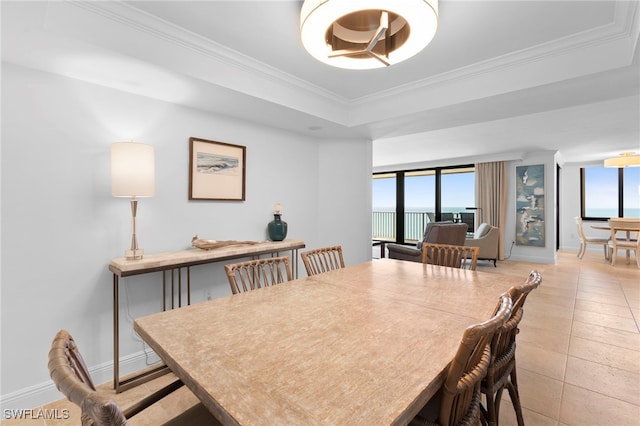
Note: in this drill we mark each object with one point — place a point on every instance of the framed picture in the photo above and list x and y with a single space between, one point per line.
530 228
216 170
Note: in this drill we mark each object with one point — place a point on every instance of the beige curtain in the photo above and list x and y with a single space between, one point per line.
491 196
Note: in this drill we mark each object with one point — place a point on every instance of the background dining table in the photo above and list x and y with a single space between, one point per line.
365 345
626 230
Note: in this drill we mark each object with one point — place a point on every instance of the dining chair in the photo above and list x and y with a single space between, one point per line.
501 372
628 243
69 372
463 257
458 400
584 240
254 274
322 260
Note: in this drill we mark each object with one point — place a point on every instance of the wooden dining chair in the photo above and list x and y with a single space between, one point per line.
458 400
322 260
616 243
254 274
462 257
585 241
501 373
69 372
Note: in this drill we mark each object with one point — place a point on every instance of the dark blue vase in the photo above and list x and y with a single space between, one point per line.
277 228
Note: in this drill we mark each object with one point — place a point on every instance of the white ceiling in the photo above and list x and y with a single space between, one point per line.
500 77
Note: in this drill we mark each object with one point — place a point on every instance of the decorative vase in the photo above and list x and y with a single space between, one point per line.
277 228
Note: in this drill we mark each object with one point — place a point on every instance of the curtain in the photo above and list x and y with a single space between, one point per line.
491 197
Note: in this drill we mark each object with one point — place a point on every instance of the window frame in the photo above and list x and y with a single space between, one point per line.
583 194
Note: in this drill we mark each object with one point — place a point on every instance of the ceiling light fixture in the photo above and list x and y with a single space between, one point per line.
365 34
626 159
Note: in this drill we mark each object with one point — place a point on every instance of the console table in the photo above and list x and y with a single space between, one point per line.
174 262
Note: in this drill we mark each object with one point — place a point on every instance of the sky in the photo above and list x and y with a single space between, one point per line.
457 191
602 187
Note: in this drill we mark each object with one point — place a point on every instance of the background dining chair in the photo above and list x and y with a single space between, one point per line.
254 274
462 257
628 243
71 376
584 240
322 260
458 400
501 372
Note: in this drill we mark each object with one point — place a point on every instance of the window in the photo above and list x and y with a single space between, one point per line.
631 192
610 192
405 201
384 207
419 202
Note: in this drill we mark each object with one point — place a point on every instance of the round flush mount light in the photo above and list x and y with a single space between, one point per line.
365 34
626 159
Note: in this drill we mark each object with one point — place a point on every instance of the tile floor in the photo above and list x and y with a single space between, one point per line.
578 350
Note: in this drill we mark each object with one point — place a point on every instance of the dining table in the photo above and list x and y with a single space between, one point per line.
628 230
368 344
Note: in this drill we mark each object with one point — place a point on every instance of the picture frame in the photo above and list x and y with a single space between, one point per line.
217 170
530 206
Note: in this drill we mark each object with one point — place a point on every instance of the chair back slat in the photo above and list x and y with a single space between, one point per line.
255 274
322 260
463 257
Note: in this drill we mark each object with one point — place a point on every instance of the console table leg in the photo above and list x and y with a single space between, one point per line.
188 285
116 336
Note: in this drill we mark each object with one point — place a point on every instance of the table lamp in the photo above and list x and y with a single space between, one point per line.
132 175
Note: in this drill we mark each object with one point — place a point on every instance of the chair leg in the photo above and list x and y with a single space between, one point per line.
606 252
512 386
583 246
613 254
492 420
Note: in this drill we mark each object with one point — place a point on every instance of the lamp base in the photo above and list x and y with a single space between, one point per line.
133 254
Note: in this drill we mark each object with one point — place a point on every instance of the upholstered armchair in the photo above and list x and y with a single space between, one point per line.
486 237
435 232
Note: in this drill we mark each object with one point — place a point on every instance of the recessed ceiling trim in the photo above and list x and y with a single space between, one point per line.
622 33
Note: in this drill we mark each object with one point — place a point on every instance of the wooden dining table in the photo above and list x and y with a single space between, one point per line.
364 345
627 230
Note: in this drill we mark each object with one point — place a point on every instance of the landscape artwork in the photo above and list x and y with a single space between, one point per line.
530 228
213 163
217 170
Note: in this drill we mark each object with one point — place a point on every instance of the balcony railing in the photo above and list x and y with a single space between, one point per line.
384 225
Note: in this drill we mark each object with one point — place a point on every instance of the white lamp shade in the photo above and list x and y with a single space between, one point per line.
132 170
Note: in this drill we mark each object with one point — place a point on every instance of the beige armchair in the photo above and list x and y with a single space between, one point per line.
486 237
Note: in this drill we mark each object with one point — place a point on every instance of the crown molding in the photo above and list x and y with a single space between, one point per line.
549 62
142 21
624 27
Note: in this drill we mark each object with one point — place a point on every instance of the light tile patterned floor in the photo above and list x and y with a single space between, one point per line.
578 354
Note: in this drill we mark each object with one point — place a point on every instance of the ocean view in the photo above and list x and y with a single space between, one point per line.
628 212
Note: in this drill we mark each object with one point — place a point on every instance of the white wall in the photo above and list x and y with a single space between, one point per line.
61 227
342 197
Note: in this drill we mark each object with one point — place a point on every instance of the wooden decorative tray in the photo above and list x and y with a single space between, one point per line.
213 244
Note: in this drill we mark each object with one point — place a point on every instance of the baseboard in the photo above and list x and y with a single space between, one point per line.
43 393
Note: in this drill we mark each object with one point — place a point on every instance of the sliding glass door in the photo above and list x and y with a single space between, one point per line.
404 202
